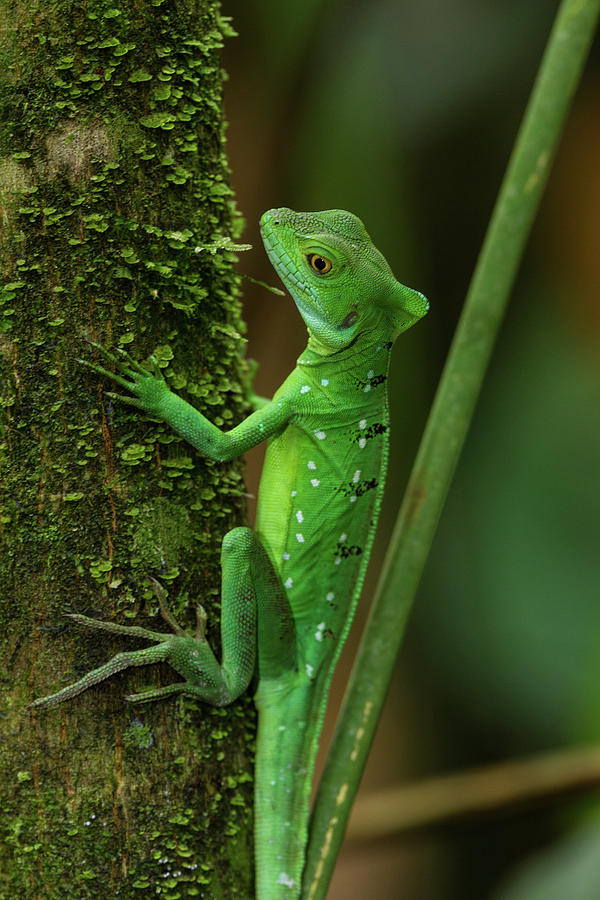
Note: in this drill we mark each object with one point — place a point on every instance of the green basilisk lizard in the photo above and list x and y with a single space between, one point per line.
290 587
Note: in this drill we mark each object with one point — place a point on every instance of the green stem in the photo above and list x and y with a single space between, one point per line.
445 432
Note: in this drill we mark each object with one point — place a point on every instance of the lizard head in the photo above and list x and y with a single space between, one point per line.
340 282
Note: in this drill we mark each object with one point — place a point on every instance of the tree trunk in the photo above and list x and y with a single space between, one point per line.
112 175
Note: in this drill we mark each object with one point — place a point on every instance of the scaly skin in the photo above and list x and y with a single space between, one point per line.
291 587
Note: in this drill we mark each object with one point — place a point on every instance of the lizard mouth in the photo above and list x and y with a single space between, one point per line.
305 297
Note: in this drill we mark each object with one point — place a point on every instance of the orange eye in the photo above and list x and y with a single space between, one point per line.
319 264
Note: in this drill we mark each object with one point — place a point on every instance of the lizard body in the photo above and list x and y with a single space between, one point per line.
290 587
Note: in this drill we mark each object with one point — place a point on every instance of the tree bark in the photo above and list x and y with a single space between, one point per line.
112 174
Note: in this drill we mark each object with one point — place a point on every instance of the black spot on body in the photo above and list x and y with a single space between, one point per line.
372 431
363 486
358 488
375 381
375 429
343 551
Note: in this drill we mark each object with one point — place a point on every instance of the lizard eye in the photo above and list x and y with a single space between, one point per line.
319 264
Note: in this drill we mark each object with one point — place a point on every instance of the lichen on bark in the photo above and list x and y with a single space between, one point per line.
117 221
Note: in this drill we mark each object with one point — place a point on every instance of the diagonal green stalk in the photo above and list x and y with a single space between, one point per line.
445 432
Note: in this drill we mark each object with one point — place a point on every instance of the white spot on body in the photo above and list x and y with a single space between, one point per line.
320 435
309 670
367 388
289 583
370 373
362 424
300 538
304 389
311 465
356 476
285 555
315 482
362 443
343 537
353 498
319 631
338 560
324 381
294 493
284 878
299 516
330 597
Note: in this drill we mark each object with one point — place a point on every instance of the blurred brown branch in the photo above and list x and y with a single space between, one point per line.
497 788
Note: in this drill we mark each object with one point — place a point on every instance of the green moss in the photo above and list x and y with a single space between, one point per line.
119 227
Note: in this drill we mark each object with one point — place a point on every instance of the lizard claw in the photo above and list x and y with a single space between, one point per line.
165 612
201 619
135 365
157 587
101 350
130 400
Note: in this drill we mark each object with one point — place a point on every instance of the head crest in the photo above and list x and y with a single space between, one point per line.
403 306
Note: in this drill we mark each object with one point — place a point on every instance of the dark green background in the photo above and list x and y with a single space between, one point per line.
405 113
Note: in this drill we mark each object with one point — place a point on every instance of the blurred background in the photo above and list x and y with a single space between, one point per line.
405 113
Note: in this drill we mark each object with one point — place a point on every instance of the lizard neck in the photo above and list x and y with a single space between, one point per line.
371 344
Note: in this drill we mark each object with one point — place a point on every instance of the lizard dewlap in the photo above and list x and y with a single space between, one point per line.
290 587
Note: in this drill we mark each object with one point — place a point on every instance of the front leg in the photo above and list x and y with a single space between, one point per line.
250 590
152 395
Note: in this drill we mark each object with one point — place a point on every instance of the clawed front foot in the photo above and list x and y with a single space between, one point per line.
149 388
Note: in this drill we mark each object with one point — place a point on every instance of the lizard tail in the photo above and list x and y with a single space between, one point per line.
287 743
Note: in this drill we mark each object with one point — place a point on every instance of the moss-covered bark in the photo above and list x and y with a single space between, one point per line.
112 175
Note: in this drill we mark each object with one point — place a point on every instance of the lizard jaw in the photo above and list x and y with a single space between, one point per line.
305 297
